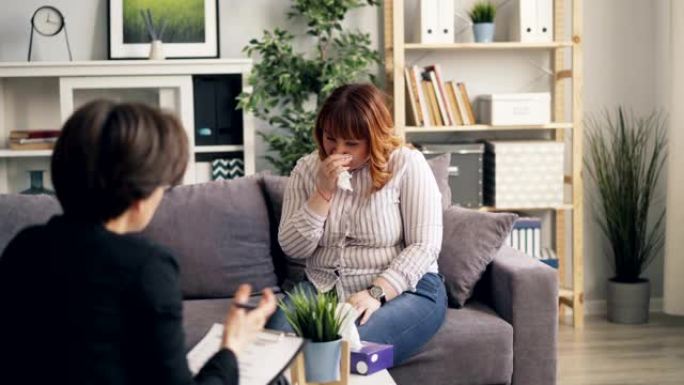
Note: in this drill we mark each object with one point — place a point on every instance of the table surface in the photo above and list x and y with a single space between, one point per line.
378 378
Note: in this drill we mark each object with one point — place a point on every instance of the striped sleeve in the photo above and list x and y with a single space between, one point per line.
421 211
300 228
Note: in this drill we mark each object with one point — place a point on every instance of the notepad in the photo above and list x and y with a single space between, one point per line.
260 363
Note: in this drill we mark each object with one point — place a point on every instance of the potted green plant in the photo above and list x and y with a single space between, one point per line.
288 85
482 15
625 158
315 318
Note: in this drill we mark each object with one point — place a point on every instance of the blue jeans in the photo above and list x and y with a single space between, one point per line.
407 322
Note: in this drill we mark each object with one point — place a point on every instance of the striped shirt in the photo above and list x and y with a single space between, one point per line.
395 232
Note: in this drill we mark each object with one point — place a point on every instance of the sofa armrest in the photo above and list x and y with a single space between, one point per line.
524 292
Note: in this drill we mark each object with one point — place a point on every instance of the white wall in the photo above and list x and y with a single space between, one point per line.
623 56
625 43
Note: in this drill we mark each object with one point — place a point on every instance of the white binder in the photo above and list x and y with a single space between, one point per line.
435 22
532 21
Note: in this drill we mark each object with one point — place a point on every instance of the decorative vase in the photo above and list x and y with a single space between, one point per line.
156 50
36 184
483 32
322 361
628 303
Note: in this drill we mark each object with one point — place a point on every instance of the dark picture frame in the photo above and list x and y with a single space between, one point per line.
191 31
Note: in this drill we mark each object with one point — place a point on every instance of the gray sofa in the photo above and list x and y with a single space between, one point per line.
223 234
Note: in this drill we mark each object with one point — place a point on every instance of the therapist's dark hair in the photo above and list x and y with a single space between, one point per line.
110 155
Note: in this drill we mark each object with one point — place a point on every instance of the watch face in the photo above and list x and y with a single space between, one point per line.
376 292
47 21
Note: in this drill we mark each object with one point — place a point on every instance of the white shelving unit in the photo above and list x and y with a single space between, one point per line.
566 40
42 95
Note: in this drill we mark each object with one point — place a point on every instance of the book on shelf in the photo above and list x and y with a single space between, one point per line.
33 134
31 146
413 101
435 117
33 139
461 103
438 83
466 101
453 103
420 95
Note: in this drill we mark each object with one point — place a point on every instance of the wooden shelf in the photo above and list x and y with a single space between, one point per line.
25 153
224 148
487 46
565 207
485 127
569 49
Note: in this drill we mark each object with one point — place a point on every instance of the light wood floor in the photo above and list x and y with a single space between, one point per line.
605 353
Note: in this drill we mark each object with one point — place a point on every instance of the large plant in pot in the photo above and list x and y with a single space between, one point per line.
315 317
289 85
626 154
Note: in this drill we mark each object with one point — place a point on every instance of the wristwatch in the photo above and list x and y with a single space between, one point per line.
378 293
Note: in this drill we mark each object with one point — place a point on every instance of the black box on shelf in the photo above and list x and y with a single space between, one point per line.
465 171
217 119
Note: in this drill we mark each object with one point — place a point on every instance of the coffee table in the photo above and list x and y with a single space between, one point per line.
378 378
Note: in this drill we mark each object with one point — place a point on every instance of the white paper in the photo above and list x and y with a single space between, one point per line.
259 363
348 331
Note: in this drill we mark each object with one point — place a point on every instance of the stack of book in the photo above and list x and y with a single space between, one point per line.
33 139
434 102
526 237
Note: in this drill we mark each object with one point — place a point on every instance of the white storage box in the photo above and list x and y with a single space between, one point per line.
523 174
515 109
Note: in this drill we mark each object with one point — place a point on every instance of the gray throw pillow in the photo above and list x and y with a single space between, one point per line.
440 168
471 240
288 270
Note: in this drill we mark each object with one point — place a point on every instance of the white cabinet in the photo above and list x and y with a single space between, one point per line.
41 96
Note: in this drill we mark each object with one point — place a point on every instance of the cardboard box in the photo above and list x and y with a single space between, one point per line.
371 358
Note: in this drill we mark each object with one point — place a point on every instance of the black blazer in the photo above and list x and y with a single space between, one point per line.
82 305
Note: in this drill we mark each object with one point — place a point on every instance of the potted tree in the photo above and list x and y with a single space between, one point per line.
482 15
315 318
625 158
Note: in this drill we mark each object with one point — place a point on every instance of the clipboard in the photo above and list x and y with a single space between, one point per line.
262 362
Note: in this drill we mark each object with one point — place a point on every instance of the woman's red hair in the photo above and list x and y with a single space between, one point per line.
359 112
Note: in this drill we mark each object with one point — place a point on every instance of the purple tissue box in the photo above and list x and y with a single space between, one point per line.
371 358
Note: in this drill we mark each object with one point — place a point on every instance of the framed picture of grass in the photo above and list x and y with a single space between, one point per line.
187 28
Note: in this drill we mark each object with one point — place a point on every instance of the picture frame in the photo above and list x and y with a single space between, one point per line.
191 30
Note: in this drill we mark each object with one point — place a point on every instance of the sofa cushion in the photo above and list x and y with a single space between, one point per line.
471 240
473 346
289 270
20 211
220 233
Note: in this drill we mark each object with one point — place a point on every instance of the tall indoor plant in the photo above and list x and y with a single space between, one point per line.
626 154
288 86
315 317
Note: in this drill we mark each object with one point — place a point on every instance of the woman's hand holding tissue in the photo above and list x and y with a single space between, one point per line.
329 172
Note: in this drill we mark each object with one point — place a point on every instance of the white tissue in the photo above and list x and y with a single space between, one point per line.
344 181
348 331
